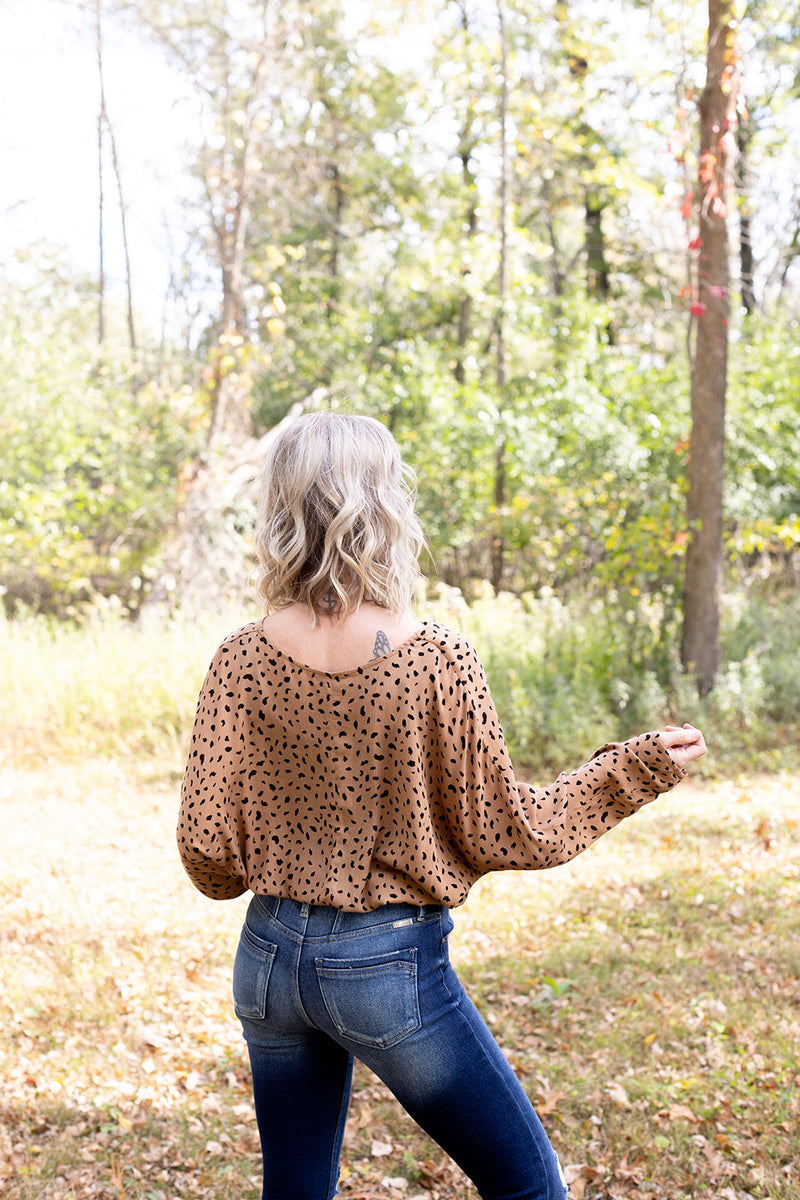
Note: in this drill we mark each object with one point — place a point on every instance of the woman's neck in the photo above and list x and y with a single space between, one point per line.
329 644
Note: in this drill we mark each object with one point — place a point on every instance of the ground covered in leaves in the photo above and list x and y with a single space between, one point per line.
648 995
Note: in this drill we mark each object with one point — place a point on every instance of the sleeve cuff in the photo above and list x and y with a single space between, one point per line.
653 756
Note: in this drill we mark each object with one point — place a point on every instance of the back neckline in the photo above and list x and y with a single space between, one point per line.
358 670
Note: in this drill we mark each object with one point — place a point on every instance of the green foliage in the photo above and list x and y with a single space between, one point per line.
366 180
90 450
763 449
761 631
594 456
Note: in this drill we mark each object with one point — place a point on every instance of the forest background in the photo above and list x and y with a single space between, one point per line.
502 229
484 224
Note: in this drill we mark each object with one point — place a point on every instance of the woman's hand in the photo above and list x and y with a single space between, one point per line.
683 745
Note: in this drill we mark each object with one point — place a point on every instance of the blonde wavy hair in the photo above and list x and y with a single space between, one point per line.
336 524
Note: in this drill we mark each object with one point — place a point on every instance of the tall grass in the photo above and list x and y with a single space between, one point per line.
566 678
109 688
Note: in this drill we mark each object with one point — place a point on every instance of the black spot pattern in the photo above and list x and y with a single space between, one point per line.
387 783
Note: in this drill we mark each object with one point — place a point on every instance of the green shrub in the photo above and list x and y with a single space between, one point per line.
568 677
91 446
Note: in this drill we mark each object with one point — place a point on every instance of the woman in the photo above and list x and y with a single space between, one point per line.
347 767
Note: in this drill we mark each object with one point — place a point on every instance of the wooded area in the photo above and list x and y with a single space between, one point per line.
554 247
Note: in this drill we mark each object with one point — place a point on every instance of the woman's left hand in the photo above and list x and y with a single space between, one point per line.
684 744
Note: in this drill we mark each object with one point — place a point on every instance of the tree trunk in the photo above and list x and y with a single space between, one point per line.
471 222
598 274
123 216
101 271
557 272
791 253
746 264
337 238
231 418
207 565
466 147
104 123
701 649
500 467
598 279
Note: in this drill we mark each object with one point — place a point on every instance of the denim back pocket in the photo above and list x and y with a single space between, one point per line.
371 1001
251 970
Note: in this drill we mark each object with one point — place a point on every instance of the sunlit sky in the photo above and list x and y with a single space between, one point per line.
49 101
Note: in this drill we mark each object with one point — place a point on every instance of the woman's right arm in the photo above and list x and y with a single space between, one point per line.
210 834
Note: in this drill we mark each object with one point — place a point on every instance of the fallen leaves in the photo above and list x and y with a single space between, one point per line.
620 1181
618 1095
677 1112
647 994
546 1097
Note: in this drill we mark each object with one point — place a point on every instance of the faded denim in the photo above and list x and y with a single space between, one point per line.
315 987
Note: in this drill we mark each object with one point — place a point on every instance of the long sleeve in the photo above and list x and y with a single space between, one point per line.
499 822
211 834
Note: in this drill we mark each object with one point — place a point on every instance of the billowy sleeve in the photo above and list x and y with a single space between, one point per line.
211 835
499 822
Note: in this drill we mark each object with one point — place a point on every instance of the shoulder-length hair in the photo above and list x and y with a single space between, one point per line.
336 523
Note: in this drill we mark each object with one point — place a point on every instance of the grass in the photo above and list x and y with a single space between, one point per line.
648 994
110 688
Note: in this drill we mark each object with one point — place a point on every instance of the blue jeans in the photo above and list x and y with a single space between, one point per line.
315 988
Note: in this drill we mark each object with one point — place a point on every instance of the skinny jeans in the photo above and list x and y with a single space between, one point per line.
315 988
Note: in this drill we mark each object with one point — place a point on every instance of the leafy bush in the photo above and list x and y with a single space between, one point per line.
569 677
763 451
762 630
90 452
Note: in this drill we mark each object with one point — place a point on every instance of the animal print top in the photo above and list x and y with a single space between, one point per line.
387 783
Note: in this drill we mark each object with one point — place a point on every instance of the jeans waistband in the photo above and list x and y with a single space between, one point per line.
321 920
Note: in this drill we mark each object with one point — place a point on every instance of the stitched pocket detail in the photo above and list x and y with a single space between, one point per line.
371 1001
251 972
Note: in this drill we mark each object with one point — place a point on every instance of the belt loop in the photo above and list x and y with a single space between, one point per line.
421 912
305 909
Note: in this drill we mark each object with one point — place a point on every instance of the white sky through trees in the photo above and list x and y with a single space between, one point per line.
49 100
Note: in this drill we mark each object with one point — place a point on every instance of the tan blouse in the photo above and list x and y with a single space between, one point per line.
387 783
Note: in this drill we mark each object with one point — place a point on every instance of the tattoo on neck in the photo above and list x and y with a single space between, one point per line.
382 644
330 601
